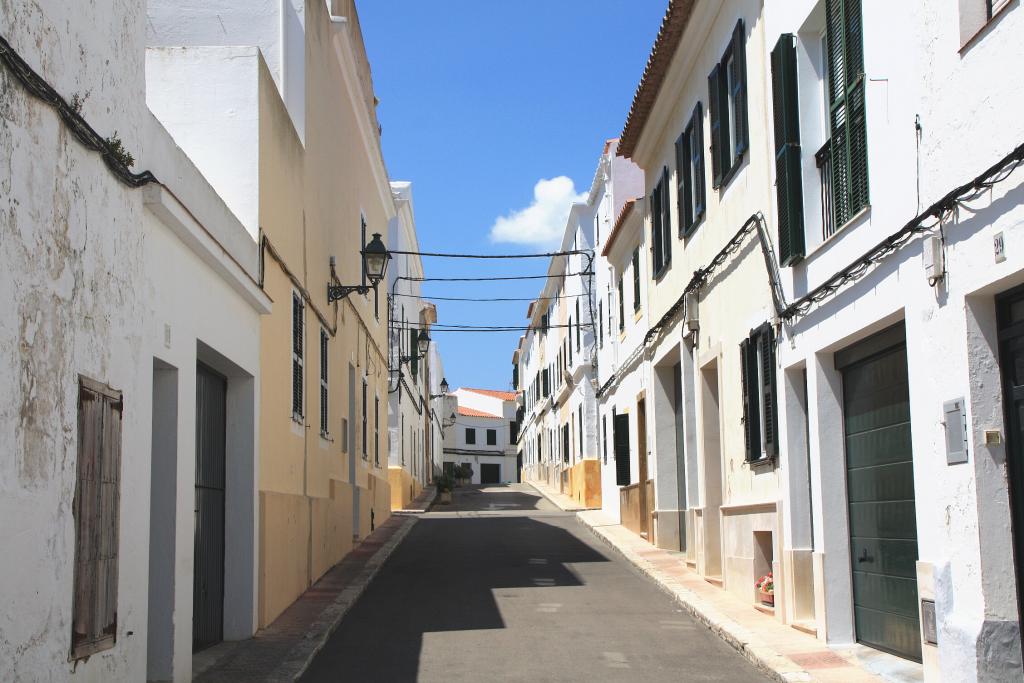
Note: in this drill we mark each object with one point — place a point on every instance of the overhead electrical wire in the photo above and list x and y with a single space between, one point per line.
483 299
488 279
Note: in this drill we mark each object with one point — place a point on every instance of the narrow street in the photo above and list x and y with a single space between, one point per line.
501 585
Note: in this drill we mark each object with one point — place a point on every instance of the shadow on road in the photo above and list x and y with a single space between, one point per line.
494 498
443 578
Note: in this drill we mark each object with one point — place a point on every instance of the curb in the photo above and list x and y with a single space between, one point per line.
775 665
320 631
556 503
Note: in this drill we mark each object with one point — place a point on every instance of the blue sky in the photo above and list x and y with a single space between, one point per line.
480 103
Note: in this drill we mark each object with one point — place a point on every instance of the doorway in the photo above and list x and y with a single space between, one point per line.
641 449
1010 320
490 473
880 493
710 563
208 570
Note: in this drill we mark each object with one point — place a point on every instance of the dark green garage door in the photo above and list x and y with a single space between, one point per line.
490 474
880 486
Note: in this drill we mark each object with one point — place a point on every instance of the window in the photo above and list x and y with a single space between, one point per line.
622 306
366 455
513 432
788 180
376 431
297 349
661 233
690 173
565 443
546 383
727 104
324 424
568 342
414 351
470 436
760 419
600 323
604 438
636 279
975 16
620 433
579 423
96 512
492 437
344 435
577 324
846 152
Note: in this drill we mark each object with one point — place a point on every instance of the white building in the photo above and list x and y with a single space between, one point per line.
483 436
133 326
415 377
899 344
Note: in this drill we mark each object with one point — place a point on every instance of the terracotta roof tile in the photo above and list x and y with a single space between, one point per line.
471 412
503 395
673 25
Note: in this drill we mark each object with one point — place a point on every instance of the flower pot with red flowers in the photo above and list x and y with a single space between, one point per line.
766 589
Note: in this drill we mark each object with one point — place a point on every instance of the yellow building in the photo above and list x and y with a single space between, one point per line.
279 114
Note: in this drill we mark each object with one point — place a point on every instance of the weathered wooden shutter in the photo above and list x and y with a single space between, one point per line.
323 383
739 60
751 407
714 110
697 161
847 116
684 192
96 510
636 279
766 340
620 434
622 305
547 388
788 181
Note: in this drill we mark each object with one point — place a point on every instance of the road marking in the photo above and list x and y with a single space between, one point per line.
540 581
549 607
538 560
675 625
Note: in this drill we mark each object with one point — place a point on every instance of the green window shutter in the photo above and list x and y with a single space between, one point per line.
655 234
847 115
620 435
751 406
622 305
766 340
697 161
788 181
714 109
739 60
684 191
666 227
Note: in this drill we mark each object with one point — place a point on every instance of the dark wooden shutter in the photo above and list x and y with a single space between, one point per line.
788 181
297 347
714 107
847 120
684 191
414 351
666 222
739 59
766 341
577 324
622 305
656 245
620 434
568 342
96 511
697 161
547 387
323 383
751 406
600 323
636 279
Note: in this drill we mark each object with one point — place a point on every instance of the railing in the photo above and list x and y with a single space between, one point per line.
823 157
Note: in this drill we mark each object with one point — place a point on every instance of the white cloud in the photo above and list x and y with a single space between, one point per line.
543 221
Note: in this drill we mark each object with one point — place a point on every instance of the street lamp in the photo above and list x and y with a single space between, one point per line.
422 345
375 265
444 389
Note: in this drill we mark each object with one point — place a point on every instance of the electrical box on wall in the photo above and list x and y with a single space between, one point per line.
929 630
955 421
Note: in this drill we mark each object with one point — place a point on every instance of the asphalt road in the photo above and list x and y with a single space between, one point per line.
503 586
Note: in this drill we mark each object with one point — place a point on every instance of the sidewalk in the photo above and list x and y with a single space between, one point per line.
281 652
563 501
781 651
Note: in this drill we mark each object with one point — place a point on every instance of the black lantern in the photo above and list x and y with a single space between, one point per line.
375 259
423 343
375 265
444 385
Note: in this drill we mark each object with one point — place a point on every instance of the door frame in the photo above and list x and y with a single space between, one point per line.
641 452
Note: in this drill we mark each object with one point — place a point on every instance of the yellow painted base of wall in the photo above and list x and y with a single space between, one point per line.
585 483
403 487
302 537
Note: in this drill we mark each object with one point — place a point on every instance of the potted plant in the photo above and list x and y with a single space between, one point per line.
766 589
464 473
444 489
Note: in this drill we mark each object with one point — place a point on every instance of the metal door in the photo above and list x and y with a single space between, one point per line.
1010 307
880 489
208 575
490 473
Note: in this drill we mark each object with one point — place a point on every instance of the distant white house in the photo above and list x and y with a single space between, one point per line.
483 436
